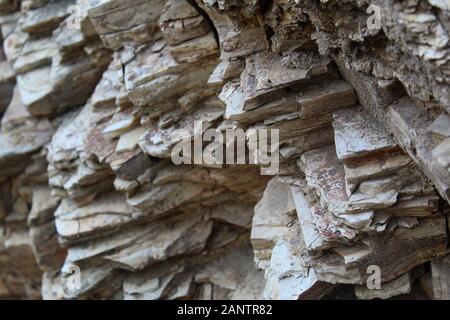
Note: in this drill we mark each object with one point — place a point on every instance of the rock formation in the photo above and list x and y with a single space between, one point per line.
96 97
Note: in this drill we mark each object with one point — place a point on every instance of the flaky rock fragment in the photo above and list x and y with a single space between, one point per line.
271 217
116 29
288 276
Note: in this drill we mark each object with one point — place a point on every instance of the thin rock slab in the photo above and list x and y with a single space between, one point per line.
358 135
399 286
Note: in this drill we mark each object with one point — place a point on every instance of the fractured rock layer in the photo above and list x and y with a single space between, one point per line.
98 99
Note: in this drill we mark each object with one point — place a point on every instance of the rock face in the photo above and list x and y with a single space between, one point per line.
101 102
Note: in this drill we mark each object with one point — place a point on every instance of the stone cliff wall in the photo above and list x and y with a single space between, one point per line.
93 95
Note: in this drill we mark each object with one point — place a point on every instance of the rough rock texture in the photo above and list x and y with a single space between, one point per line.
92 94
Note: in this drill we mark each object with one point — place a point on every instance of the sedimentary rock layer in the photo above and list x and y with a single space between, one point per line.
103 102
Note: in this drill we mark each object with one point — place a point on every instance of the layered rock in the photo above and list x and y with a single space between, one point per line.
101 99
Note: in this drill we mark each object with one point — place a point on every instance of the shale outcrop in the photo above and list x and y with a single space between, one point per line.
96 98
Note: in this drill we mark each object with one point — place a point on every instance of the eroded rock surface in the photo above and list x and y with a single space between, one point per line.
97 96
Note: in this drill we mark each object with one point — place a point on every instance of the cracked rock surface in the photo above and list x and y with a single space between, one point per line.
93 95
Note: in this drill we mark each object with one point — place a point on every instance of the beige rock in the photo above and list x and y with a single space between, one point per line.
401 285
357 136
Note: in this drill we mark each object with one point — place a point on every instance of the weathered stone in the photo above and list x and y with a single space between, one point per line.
118 29
409 121
375 167
401 285
180 22
271 217
97 98
266 73
441 126
288 278
358 136
46 18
